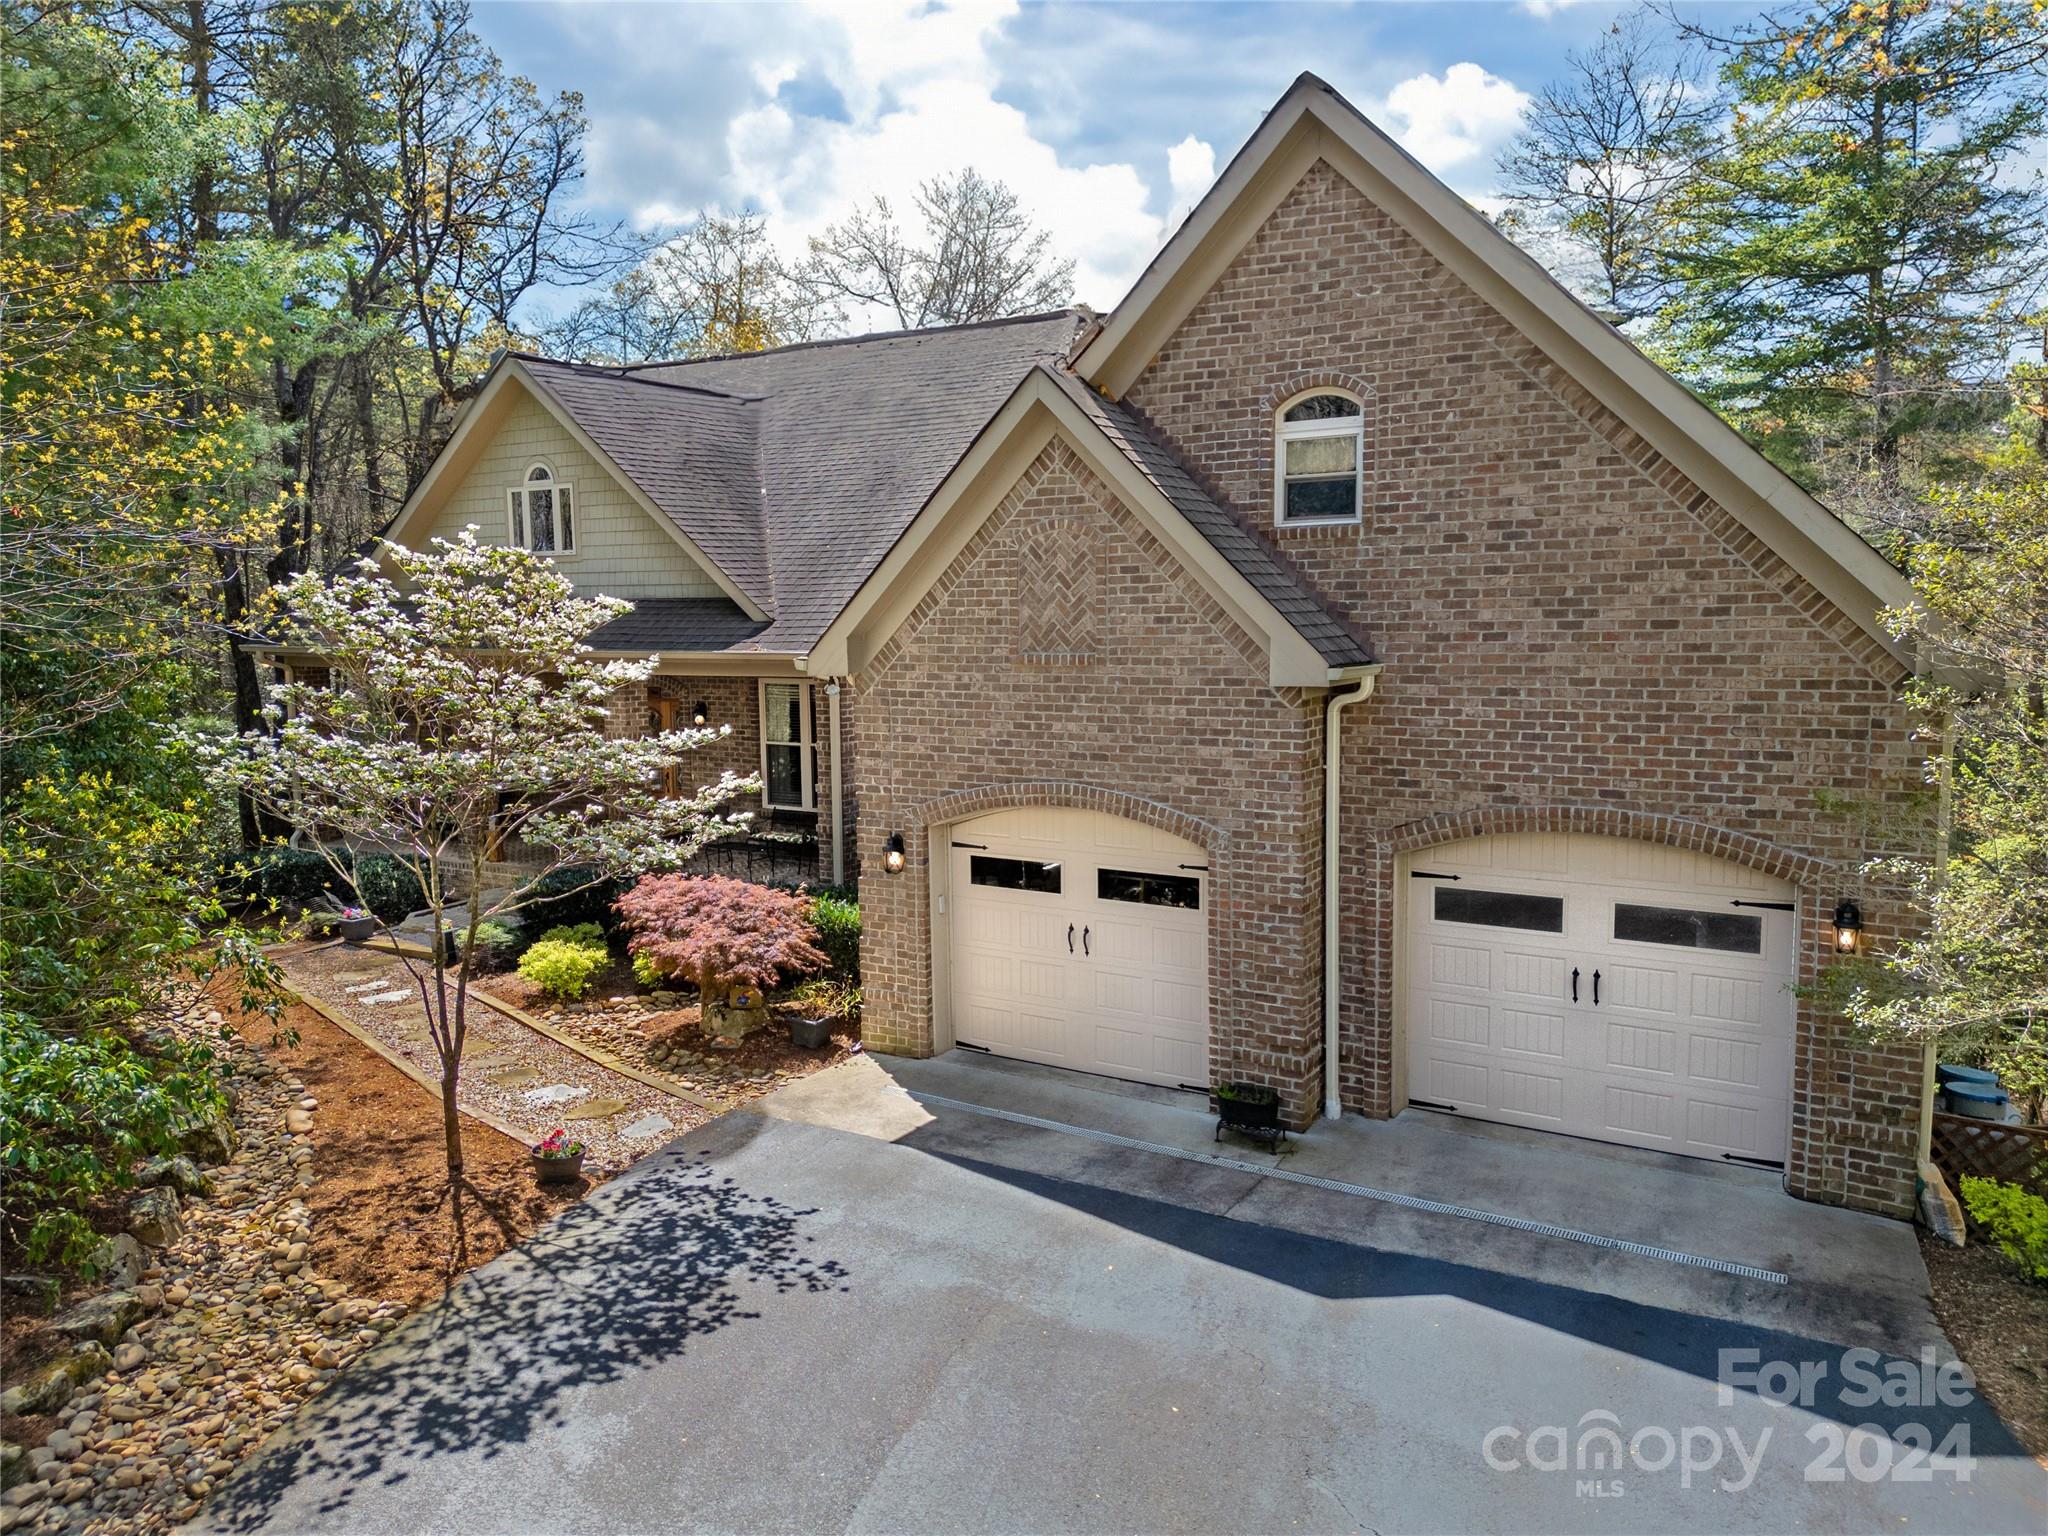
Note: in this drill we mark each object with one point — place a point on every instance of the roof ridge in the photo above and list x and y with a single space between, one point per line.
852 341
622 374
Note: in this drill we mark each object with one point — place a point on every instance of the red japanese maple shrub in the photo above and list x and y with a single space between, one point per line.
733 939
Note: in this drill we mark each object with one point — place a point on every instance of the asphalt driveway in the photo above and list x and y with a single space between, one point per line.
952 1324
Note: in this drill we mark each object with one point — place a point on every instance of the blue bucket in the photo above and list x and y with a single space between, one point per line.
1979 1100
1977 1076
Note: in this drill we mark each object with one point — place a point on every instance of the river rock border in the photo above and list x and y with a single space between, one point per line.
232 1330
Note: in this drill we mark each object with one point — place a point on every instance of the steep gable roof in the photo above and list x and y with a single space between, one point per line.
1313 122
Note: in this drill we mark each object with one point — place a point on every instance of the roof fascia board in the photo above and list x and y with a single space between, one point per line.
1309 124
1257 180
511 368
1036 413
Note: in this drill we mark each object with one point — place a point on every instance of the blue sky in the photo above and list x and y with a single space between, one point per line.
1108 119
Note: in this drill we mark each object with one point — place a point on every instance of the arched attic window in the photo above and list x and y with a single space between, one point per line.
541 513
1319 459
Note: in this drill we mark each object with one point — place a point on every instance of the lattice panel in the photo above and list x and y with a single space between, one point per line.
2012 1154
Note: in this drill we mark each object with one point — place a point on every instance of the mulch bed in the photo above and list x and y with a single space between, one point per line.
1998 1321
382 1219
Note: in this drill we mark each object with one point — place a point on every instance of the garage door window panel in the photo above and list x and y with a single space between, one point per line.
1014 874
1730 932
1181 891
1499 909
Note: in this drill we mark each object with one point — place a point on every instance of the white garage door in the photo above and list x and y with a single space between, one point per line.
1081 940
1602 987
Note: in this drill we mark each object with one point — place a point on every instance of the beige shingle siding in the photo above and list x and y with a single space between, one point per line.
620 550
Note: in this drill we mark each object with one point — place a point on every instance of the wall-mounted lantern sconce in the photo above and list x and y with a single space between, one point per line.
892 854
1848 926
700 714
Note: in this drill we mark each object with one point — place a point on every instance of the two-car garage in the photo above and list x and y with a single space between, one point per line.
1602 987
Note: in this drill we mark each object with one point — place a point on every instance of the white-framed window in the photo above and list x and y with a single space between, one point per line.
788 767
1319 459
541 513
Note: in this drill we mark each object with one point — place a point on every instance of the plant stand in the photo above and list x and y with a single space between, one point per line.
1250 1110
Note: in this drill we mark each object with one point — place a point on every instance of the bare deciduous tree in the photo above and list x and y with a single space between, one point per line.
1599 155
979 257
717 287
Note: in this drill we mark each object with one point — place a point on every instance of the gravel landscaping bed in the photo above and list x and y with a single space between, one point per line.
212 1339
515 1073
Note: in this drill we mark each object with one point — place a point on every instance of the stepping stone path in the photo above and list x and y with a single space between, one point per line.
510 1072
647 1127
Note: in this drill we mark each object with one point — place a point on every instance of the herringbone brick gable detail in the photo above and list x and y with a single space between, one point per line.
1059 603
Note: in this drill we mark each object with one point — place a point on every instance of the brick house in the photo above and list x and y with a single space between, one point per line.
1349 666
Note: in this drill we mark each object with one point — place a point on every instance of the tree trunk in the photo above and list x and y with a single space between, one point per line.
451 1117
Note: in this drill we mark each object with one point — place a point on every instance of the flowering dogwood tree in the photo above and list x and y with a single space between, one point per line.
464 708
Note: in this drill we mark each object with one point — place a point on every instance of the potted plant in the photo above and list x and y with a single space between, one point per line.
1250 1109
356 924
557 1160
822 1004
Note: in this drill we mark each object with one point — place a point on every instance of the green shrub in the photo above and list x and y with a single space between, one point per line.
837 921
388 886
568 896
575 933
2017 1221
563 967
645 973
497 945
299 876
78 1112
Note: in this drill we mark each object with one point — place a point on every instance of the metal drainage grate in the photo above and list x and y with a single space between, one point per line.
1367 1192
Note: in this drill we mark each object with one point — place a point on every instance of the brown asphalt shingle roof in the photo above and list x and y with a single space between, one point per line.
796 470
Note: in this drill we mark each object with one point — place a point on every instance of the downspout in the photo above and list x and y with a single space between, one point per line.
1364 680
1944 823
838 824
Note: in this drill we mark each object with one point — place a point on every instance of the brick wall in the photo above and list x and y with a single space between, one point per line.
1573 634
1107 682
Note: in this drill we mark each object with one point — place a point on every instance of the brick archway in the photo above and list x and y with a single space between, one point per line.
961 804
1607 821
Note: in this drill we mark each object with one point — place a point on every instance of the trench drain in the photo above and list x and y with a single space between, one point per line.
1367 1192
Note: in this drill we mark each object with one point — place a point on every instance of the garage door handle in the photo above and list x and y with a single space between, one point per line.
1084 942
1070 938
1575 983
1596 989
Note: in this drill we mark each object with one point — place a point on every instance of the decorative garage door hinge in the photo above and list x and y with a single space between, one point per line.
1430 874
1769 906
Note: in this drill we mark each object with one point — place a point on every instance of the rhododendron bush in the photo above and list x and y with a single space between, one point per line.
733 939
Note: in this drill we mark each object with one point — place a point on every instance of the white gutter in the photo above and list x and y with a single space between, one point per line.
838 825
1367 678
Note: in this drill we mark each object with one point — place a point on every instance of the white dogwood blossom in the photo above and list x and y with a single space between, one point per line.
464 709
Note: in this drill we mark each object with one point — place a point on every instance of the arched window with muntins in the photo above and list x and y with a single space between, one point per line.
541 513
1319 459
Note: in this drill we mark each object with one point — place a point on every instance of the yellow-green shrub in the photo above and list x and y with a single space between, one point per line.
2017 1221
564 967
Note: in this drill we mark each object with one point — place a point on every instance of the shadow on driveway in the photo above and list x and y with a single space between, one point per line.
1681 1341
607 1289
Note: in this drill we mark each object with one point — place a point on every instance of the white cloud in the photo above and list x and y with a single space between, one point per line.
1454 121
918 83
1545 9
1190 170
